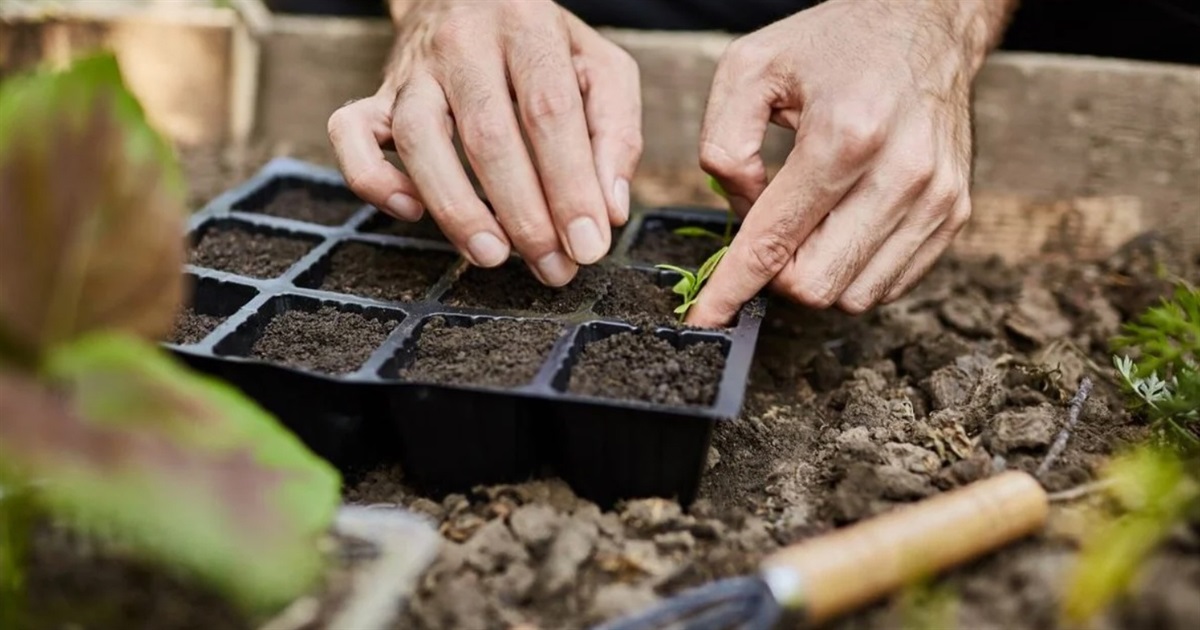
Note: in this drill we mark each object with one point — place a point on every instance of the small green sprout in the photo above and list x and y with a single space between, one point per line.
696 231
690 283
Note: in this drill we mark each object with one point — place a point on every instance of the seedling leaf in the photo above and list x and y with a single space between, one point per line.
93 211
710 265
716 187
697 231
183 467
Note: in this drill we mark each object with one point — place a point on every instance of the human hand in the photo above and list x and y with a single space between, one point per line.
877 183
458 67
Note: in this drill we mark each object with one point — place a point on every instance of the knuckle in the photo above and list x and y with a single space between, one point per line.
814 293
530 236
630 141
857 301
405 127
768 255
959 215
744 54
484 134
916 173
856 134
361 181
716 159
453 36
545 105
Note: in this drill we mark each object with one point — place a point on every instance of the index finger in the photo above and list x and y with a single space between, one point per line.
808 186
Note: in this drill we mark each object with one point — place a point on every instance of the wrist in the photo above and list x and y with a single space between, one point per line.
978 25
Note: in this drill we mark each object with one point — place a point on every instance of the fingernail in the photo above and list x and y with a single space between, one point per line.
621 196
404 207
555 269
487 250
587 244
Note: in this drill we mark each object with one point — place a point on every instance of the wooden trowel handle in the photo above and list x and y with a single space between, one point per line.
836 573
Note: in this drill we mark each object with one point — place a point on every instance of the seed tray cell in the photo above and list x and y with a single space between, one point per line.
502 387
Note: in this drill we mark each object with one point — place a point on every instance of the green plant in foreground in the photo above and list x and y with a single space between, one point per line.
100 429
689 284
1156 485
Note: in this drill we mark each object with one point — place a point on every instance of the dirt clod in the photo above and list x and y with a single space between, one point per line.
1029 428
328 340
246 253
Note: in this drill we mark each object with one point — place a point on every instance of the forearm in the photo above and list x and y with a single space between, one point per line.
980 23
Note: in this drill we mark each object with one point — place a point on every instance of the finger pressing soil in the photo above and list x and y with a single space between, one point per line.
328 340
383 273
247 253
497 353
303 204
191 327
641 366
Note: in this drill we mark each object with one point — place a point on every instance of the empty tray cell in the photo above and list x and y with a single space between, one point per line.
248 250
426 228
310 334
210 302
641 297
476 351
303 200
664 367
658 241
378 272
512 287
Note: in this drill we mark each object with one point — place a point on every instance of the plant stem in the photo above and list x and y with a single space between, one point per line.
728 227
1060 442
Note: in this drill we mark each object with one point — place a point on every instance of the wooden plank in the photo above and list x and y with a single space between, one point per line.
176 59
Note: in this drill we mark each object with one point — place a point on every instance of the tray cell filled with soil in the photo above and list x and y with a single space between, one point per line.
248 250
378 272
659 242
640 297
424 229
661 368
210 302
512 287
312 335
476 351
301 200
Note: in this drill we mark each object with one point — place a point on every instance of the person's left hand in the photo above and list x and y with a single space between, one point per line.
877 184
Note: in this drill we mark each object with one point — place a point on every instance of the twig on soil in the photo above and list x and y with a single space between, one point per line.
1060 442
1080 491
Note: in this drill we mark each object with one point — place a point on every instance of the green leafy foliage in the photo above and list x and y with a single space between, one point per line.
699 232
107 432
93 211
689 284
1155 484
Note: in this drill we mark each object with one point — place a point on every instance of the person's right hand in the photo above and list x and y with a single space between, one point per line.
458 67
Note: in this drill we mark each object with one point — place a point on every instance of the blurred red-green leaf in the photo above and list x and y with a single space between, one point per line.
91 211
126 440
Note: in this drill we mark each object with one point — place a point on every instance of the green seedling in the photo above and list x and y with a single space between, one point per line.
689 284
1157 483
699 232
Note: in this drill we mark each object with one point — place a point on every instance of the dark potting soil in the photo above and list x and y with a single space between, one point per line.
302 205
328 340
496 353
247 253
383 273
634 296
663 246
191 327
641 366
512 287
426 228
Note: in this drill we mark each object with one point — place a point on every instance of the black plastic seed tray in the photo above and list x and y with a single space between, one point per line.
446 437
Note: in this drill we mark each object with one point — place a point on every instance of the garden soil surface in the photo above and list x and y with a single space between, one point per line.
192 327
845 418
494 353
383 273
248 253
328 340
664 246
640 366
302 204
